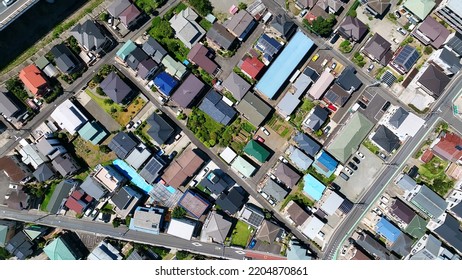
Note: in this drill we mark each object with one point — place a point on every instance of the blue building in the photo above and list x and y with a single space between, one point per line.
388 230
165 83
313 187
284 65
325 164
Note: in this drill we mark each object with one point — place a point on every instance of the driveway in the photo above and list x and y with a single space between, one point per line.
4 183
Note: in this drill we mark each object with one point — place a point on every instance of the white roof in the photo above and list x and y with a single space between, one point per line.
243 166
312 227
228 155
410 126
455 6
68 117
181 228
332 203
104 251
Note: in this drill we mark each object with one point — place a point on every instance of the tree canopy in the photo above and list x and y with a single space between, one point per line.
321 26
203 7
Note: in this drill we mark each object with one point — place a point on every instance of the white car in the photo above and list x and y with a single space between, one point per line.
359 154
348 171
14 187
265 131
137 123
7 3
402 31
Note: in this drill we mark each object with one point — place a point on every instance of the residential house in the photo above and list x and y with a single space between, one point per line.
18 199
243 166
183 228
378 49
130 16
350 137
219 37
182 168
420 9
125 50
306 4
109 177
386 139
317 118
125 200
174 67
254 109
269 47
165 83
117 7
307 144
374 247
232 201
348 79
147 68
9 106
236 85
44 172
149 220
151 170
65 247
30 154
321 85
135 57
331 6
378 8
14 168
316 12
352 29
116 89
406 183
431 32
257 9
448 147
58 198
332 203
186 28
228 155
50 146
402 212
252 67
90 37
284 25
64 58
214 106
217 181
160 129
312 227
138 156
325 164
404 59
428 202
405 124
20 246
33 79
194 204
241 25
450 232
299 159
274 190
287 175
269 232
297 214
337 96
397 241
93 132
448 61
65 164
93 187
313 187
297 250
78 201
451 13
429 250
433 81
252 215
122 144
188 91
105 252
257 151
68 117
455 43
216 228
152 48
201 56
7 231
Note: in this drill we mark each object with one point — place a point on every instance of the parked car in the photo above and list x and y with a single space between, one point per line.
265 131
362 105
260 139
281 158
137 123
344 176
303 13
348 171
386 106
315 57
360 155
326 130
397 14
352 166
7 3
252 243
383 156
177 137
402 31
356 160
14 187
130 125
172 155
333 66
369 69
334 38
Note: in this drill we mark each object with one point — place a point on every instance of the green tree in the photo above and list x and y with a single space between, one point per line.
108 101
100 91
161 29
15 86
116 222
203 7
345 46
321 26
181 255
104 149
428 50
104 16
242 6
178 212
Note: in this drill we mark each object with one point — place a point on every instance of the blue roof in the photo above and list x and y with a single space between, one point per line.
388 230
284 65
313 187
327 160
165 83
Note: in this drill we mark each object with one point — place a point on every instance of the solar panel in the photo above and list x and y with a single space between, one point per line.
151 171
407 57
388 78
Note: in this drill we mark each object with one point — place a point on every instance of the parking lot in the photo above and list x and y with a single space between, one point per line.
361 178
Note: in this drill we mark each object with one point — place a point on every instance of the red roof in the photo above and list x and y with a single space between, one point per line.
449 147
252 67
77 194
310 17
427 156
32 78
263 256
74 205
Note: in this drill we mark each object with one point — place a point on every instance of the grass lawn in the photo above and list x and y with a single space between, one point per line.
48 195
297 118
326 181
432 174
433 169
371 147
280 126
298 197
203 189
91 153
205 24
241 234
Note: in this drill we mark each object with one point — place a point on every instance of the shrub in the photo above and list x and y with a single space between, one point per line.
104 149
100 91
242 6
178 212
104 16
428 50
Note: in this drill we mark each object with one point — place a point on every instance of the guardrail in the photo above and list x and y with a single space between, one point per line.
16 13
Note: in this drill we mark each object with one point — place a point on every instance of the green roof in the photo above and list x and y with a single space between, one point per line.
253 148
58 250
420 8
350 137
416 227
34 231
243 166
126 49
93 132
3 233
173 67
42 62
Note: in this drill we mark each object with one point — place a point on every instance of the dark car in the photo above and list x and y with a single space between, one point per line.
344 176
334 38
172 155
352 165
361 104
356 160
413 172
386 105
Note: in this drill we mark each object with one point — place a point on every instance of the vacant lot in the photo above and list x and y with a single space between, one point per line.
432 174
91 153
281 127
241 234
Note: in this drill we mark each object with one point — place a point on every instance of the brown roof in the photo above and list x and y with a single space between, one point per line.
297 214
198 55
434 31
360 256
379 6
18 200
353 28
434 80
287 175
12 169
402 211
182 168
449 147
379 49
268 232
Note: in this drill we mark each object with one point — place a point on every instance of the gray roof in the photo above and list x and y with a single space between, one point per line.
430 251
151 170
348 80
455 43
93 188
398 117
138 156
300 159
284 25
65 165
406 183
89 35
379 48
236 85
188 91
217 181
317 118
220 36
310 72
240 23
7 106
375 248
429 202
288 104
353 28
402 245
64 58
287 175
214 106
115 88
307 144
122 144
457 210
217 227
154 49
268 231
254 108
147 67
134 58
20 246
451 60
160 129
232 201
117 7
337 95
275 190
451 233
62 191
386 139
44 172
123 197
434 80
